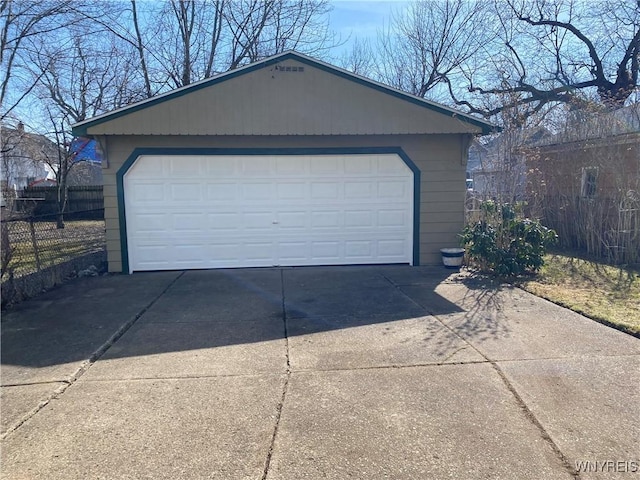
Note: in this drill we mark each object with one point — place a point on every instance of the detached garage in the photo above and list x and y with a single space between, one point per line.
288 161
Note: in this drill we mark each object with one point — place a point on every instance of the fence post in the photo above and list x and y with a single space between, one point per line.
35 243
6 249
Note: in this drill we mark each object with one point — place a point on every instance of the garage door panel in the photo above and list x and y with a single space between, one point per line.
359 249
391 218
391 248
185 192
324 219
222 192
224 254
257 221
239 211
150 170
326 250
189 222
326 165
293 220
148 192
362 166
222 222
152 255
151 222
358 218
392 189
190 252
291 166
219 167
293 253
259 251
257 166
358 190
326 190
390 169
191 169
292 191
258 191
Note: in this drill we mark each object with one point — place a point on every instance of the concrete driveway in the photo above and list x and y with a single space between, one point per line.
341 372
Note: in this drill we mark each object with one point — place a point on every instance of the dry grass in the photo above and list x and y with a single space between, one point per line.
608 294
54 246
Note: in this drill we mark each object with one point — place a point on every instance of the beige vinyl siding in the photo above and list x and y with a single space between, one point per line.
270 102
445 208
439 157
441 217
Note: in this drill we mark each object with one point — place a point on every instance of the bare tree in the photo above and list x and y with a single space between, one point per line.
360 59
83 79
130 27
429 42
139 46
157 45
560 51
78 78
178 42
22 20
200 40
60 162
78 60
295 25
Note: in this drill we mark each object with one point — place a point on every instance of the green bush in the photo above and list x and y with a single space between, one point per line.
504 242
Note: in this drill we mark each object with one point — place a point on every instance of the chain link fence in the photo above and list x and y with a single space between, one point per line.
36 255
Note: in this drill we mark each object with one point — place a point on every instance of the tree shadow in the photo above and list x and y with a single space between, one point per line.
217 308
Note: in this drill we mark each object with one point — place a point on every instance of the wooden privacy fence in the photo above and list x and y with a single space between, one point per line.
82 201
604 227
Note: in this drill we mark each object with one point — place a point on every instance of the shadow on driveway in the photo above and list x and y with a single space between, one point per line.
195 310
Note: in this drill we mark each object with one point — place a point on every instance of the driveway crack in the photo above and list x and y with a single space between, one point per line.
534 420
528 413
95 356
452 354
285 386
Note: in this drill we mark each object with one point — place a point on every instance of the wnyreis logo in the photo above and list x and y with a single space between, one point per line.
608 466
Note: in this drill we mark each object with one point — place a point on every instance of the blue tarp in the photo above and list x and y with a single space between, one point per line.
85 149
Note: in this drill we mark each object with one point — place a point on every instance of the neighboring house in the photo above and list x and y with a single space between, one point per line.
287 161
585 182
45 182
24 158
497 166
475 164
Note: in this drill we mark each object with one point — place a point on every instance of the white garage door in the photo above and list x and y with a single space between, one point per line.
215 211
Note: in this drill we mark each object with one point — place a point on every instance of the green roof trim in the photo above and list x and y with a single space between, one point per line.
80 129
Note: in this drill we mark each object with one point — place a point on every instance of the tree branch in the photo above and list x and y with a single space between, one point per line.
593 53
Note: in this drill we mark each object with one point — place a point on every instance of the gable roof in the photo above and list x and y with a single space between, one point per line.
99 124
591 126
20 144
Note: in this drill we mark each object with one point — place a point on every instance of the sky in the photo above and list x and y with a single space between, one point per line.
348 20
361 19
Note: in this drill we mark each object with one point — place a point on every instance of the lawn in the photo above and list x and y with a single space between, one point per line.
608 294
54 246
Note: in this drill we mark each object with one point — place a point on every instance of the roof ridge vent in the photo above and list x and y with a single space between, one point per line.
289 68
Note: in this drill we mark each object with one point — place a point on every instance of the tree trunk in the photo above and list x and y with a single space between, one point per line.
62 195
